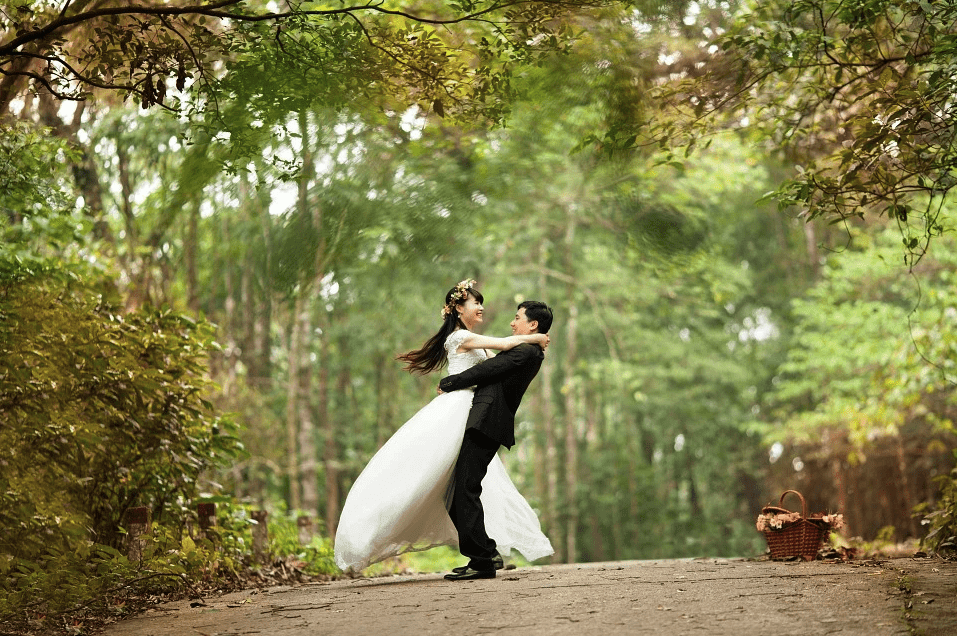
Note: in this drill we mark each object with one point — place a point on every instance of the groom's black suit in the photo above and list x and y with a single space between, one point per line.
500 384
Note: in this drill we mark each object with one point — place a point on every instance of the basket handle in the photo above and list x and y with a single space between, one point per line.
800 496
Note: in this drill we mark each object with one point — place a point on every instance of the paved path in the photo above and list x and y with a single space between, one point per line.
701 596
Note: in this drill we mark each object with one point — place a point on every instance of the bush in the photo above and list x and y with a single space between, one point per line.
93 583
317 557
941 521
103 411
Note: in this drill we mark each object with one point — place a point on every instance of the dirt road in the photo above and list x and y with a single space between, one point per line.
701 596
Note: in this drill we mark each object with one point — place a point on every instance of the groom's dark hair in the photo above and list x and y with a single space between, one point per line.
537 310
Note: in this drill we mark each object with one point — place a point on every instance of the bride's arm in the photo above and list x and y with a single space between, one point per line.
475 341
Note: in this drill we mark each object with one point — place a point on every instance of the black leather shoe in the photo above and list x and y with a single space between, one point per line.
497 561
470 575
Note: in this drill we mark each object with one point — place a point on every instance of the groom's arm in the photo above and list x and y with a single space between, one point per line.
489 371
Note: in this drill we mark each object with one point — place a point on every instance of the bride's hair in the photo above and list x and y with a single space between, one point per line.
432 355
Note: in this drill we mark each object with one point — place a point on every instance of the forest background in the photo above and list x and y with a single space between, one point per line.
219 229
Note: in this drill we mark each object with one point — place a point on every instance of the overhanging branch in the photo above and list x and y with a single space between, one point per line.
214 10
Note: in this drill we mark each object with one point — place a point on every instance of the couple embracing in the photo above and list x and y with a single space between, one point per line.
439 479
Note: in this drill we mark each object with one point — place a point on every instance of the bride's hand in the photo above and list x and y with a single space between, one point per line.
542 340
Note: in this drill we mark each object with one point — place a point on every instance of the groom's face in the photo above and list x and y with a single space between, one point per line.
521 325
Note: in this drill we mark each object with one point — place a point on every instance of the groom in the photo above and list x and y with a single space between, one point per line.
500 383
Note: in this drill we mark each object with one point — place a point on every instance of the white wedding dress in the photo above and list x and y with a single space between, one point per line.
398 502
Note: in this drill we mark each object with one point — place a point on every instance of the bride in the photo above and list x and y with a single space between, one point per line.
399 502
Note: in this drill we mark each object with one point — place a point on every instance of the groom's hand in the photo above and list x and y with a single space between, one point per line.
438 389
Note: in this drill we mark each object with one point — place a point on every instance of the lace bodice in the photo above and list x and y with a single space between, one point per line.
459 362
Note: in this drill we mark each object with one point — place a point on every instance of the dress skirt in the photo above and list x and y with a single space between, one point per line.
399 501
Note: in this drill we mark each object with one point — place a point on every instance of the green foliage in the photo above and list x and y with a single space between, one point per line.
857 95
62 581
38 215
88 581
895 362
453 59
941 519
103 411
317 557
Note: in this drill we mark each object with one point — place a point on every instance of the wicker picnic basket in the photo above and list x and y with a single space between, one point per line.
796 538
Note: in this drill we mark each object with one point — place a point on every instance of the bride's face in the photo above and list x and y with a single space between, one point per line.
470 312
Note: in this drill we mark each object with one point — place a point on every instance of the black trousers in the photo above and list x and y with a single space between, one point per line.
466 507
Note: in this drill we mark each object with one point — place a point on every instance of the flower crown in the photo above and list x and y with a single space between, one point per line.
458 294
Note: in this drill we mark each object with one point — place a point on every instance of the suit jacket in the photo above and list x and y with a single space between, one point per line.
500 383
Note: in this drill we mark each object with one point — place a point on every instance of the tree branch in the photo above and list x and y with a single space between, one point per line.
214 10
53 59
42 80
10 48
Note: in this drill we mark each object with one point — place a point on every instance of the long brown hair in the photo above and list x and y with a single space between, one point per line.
432 355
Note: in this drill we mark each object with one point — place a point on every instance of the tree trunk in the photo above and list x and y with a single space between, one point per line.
264 319
570 390
229 309
250 355
385 399
85 173
308 469
548 469
191 249
127 258
539 464
264 322
696 512
637 440
838 474
331 452
309 283
813 255
15 80
907 495
292 402
597 551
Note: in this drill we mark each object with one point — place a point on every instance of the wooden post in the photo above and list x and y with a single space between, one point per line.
207 518
304 522
260 536
138 525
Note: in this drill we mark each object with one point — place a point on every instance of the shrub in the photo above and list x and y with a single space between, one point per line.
103 411
941 520
317 557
